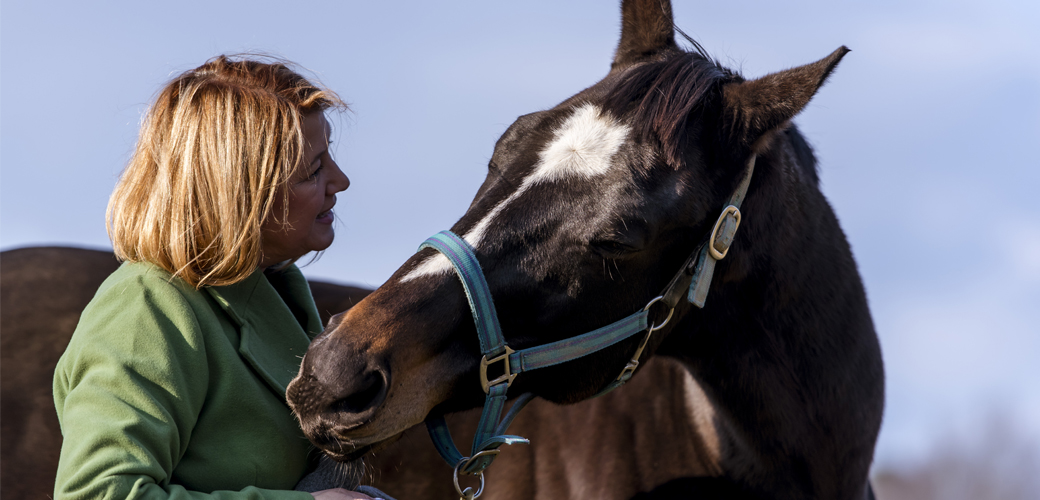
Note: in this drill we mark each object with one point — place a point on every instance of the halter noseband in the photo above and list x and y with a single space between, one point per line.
694 278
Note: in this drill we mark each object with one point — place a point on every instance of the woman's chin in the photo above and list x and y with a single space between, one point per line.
322 238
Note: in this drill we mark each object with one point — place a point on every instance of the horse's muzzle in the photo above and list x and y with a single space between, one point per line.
336 393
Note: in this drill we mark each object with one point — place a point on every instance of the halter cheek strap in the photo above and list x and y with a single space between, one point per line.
717 245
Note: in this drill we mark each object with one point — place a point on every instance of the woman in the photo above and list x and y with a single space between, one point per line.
174 382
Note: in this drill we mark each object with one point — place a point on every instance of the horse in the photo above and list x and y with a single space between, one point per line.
44 289
591 208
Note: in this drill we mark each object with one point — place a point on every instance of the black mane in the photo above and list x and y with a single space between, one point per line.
663 94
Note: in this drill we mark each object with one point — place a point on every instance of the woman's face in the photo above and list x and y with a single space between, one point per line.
311 196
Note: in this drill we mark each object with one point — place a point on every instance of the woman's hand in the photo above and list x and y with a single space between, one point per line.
340 494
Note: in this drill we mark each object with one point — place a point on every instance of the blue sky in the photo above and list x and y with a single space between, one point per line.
926 136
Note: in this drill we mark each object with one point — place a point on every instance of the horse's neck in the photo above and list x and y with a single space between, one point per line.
786 301
789 273
786 332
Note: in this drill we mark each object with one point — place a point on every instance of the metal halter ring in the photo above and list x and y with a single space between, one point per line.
671 311
456 479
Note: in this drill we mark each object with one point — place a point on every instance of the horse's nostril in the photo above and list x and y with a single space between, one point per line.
370 393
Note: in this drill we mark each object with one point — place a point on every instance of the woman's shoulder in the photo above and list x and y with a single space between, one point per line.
146 284
140 275
141 303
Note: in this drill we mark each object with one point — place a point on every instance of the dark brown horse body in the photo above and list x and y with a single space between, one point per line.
42 292
588 210
45 289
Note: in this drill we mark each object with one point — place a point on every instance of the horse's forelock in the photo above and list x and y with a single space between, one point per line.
661 96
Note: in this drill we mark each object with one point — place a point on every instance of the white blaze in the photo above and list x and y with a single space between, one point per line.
582 147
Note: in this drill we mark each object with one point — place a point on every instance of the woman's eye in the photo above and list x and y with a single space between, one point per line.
317 171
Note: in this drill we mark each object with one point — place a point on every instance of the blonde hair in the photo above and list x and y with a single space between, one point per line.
215 149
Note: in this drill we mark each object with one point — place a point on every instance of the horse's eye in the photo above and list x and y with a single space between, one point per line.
612 248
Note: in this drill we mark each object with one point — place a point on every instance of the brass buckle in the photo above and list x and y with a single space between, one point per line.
507 376
729 210
464 464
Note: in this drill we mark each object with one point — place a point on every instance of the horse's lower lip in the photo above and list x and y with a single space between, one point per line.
349 457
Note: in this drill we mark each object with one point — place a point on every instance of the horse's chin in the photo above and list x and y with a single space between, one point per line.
356 452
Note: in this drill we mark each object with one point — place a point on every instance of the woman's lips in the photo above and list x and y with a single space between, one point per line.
326 217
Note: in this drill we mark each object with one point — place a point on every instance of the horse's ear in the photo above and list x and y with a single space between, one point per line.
646 30
753 109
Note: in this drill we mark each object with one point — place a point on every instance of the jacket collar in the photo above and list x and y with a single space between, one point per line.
271 338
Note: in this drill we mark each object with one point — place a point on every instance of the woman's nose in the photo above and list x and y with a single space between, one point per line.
340 181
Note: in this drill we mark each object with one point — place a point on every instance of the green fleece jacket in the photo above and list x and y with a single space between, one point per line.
166 391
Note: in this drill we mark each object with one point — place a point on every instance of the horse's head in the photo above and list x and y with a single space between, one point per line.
587 211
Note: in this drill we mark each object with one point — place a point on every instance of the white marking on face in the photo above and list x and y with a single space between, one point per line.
582 147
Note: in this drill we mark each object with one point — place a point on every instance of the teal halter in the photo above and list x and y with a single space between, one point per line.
694 276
